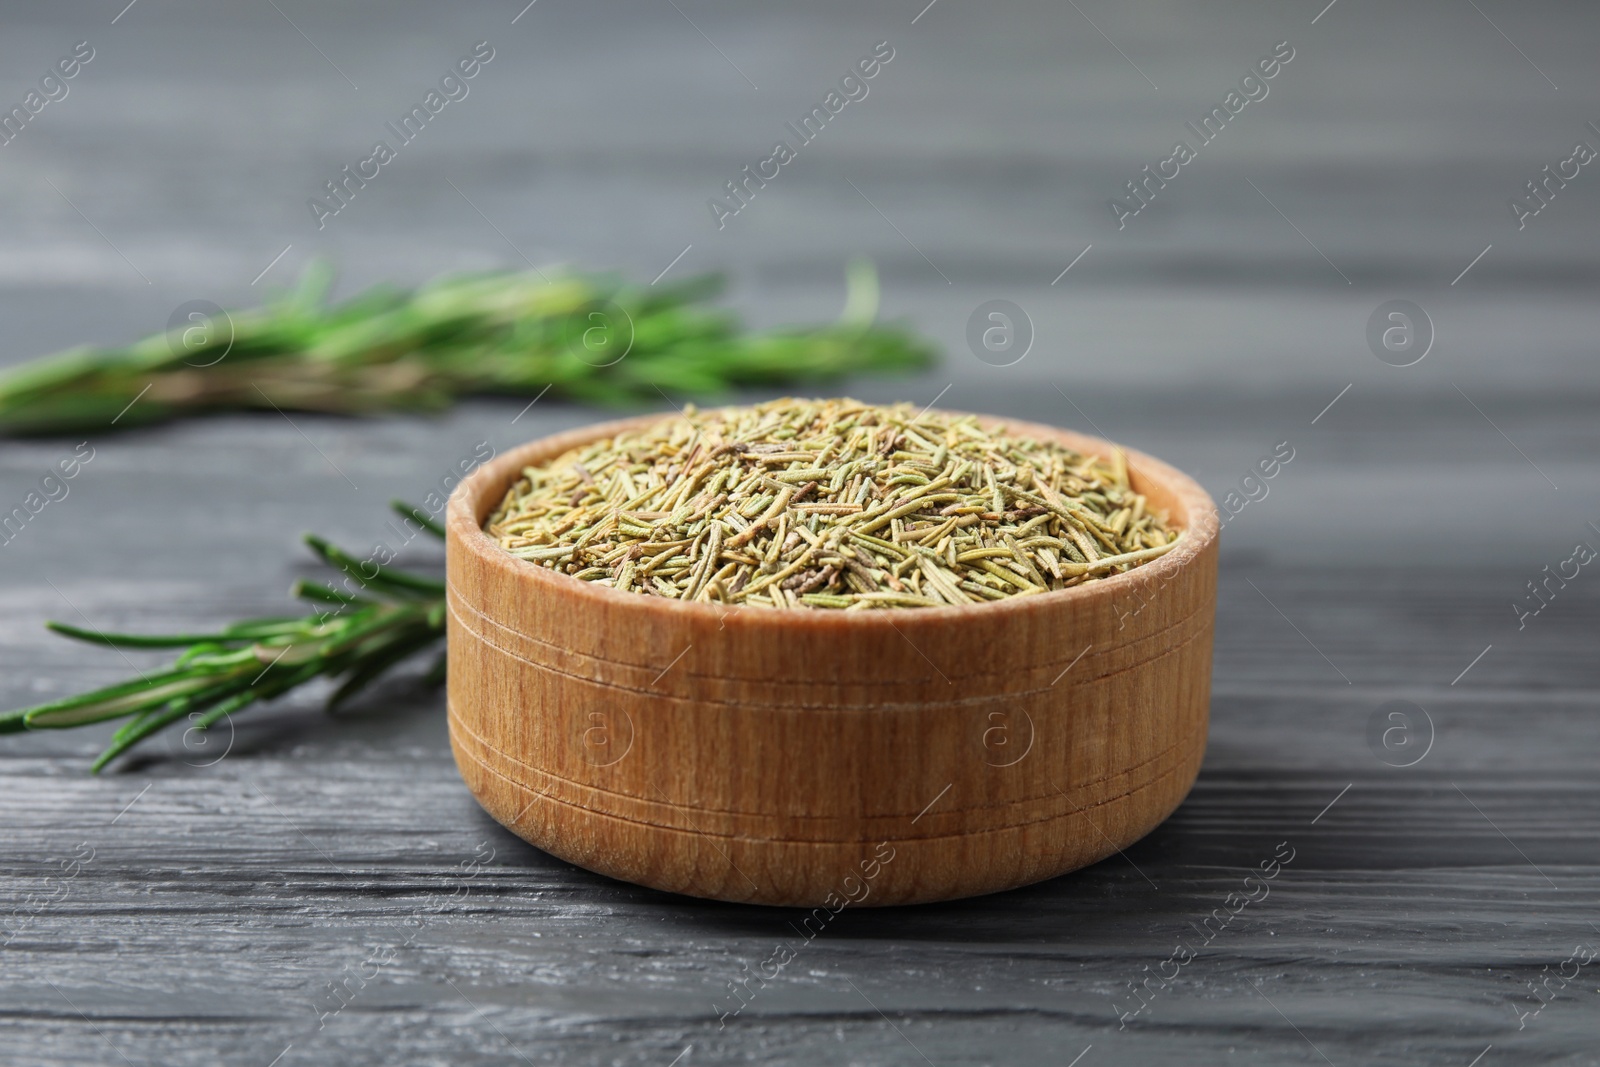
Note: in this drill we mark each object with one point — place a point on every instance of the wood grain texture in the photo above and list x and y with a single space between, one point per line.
807 757
221 908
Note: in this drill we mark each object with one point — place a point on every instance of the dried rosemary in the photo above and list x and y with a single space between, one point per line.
830 504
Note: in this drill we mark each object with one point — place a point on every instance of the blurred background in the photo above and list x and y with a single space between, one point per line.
978 167
1228 316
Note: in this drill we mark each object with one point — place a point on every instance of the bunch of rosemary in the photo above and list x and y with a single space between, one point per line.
355 637
585 337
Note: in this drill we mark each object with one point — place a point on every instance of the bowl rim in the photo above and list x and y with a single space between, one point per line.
464 529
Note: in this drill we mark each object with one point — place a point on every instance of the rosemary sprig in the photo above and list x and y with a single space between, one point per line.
496 333
355 639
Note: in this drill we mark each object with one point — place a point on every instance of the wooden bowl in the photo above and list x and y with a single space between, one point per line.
818 758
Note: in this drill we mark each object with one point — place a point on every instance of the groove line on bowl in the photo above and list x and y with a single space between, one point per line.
1194 620
696 832
477 741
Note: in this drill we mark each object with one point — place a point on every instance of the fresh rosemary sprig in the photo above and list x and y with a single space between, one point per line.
585 337
356 637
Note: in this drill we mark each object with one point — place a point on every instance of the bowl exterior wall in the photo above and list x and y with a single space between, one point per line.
809 758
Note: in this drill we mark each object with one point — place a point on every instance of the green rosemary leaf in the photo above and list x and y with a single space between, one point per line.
141 729
131 687
375 663
81 711
203 649
237 702
133 724
261 629
227 697
193 703
112 640
418 516
324 594
280 681
382 578
361 636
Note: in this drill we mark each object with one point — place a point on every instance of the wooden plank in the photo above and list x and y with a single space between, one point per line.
260 880
216 914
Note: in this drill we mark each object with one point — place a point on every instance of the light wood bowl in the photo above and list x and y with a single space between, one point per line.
815 757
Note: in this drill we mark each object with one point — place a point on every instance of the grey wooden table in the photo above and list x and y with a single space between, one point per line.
317 890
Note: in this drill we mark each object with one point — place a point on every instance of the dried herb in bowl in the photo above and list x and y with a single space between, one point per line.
830 504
